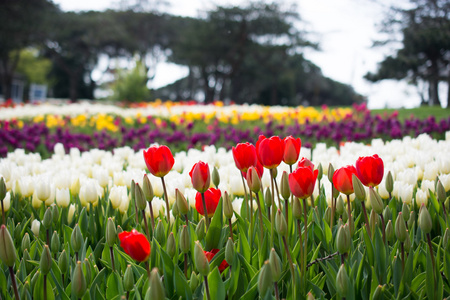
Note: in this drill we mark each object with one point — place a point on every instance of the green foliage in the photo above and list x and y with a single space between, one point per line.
35 68
131 86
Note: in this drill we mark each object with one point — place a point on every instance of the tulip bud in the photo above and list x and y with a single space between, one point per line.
171 246
344 216
215 177
412 219
400 228
200 177
34 279
47 221
147 189
193 282
139 197
358 187
128 279
63 262
229 251
327 215
227 206
310 296
373 221
340 223
200 230
297 209
25 242
55 243
343 239
389 182
405 212
284 188
183 206
375 200
274 172
330 172
70 213
200 260
55 214
335 192
319 171
87 271
389 231
185 242
280 224
342 281
3 189
35 226
83 221
7 249
45 264
119 229
160 235
265 280
425 221
268 197
133 190
76 239
340 206
111 233
445 238
253 180
387 214
440 191
378 294
175 211
275 265
78 282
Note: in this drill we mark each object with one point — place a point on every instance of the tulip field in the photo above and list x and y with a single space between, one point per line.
170 201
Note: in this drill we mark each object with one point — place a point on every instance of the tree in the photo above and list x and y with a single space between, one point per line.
425 47
131 85
23 24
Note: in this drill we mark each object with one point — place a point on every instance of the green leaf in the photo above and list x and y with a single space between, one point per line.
369 247
216 285
38 292
430 288
215 229
97 282
168 269
114 288
182 287
60 289
244 246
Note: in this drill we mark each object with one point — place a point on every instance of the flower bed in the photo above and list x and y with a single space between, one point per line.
70 220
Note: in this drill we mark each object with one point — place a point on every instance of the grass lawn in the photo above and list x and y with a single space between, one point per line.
419 112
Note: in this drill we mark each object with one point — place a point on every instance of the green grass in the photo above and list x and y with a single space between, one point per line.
419 112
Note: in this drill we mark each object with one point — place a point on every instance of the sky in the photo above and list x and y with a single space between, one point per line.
344 29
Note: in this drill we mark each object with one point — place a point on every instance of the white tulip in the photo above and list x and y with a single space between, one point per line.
124 205
59 149
63 197
35 202
88 192
421 197
405 193
7 202
118 194
70 213
445 180
431 171
43 191
35 226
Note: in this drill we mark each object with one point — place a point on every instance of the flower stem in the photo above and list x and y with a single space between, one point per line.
14 283
185 265
431 251
166 197
186 219
349 212
111 251
147 265
205 211
152 218
208 296
277 296
245 195
383 228
286 208
301 246
48 236
261 225
403 256
231 230
305 253
45 287
278 193
146 225
291 264
3 213
367 219
333 208
272 219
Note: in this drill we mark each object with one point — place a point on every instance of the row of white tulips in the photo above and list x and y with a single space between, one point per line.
414 163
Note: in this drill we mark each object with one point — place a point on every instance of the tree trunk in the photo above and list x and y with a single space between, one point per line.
434 84
73 91
448 89
6 85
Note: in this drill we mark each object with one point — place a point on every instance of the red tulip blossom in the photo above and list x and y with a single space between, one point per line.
200 176
212 197
259 168
210 254
342 179
305 163
302 182
159 160
270 151
370 170
291 149
135 244
244 156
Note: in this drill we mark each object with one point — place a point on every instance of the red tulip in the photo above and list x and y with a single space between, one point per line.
370 170
291 149
342 179
259 167
253 179
210 254
305 163
270 151
200 176
212 197
135 244
302 182
244 156
159 160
